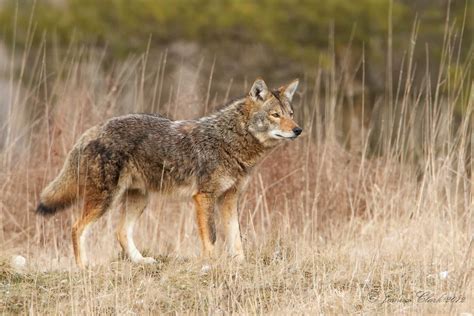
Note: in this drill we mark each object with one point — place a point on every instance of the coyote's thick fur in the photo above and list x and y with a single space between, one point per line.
125 158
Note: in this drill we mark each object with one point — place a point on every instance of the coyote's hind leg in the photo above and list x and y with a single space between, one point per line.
93 210
134 202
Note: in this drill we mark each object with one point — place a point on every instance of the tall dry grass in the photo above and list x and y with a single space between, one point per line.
377 220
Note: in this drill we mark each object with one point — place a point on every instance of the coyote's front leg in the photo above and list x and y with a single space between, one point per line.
230 218
205 205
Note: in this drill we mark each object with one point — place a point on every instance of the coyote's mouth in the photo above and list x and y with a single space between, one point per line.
285 137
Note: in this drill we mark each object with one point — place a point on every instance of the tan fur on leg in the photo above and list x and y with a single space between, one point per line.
230 219
206 225
133 206
91 214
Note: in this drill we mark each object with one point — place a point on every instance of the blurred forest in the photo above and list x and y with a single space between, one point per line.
367 49
296 33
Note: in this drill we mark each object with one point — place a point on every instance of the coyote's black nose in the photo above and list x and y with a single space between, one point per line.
297 130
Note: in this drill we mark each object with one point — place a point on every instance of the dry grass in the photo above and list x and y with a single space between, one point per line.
326 229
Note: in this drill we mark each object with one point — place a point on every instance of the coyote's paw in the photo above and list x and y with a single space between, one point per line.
145 260
149 260
205 268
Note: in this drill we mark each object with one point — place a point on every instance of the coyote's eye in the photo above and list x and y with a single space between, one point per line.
277 115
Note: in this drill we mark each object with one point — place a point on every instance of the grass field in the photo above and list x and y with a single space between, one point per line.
384 225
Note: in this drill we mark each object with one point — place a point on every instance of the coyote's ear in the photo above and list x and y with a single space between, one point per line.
259 90
289 90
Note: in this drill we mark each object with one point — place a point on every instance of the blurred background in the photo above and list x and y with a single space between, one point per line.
235 41
379 78
383 78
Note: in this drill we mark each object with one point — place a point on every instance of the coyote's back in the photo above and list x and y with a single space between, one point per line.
129 150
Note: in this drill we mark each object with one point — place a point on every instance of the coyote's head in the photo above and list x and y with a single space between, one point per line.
271 114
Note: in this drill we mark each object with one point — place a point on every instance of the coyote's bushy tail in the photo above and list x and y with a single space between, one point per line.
63 190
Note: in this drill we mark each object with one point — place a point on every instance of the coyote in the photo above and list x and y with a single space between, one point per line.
120 161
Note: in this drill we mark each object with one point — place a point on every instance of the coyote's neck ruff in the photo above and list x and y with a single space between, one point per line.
209 158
